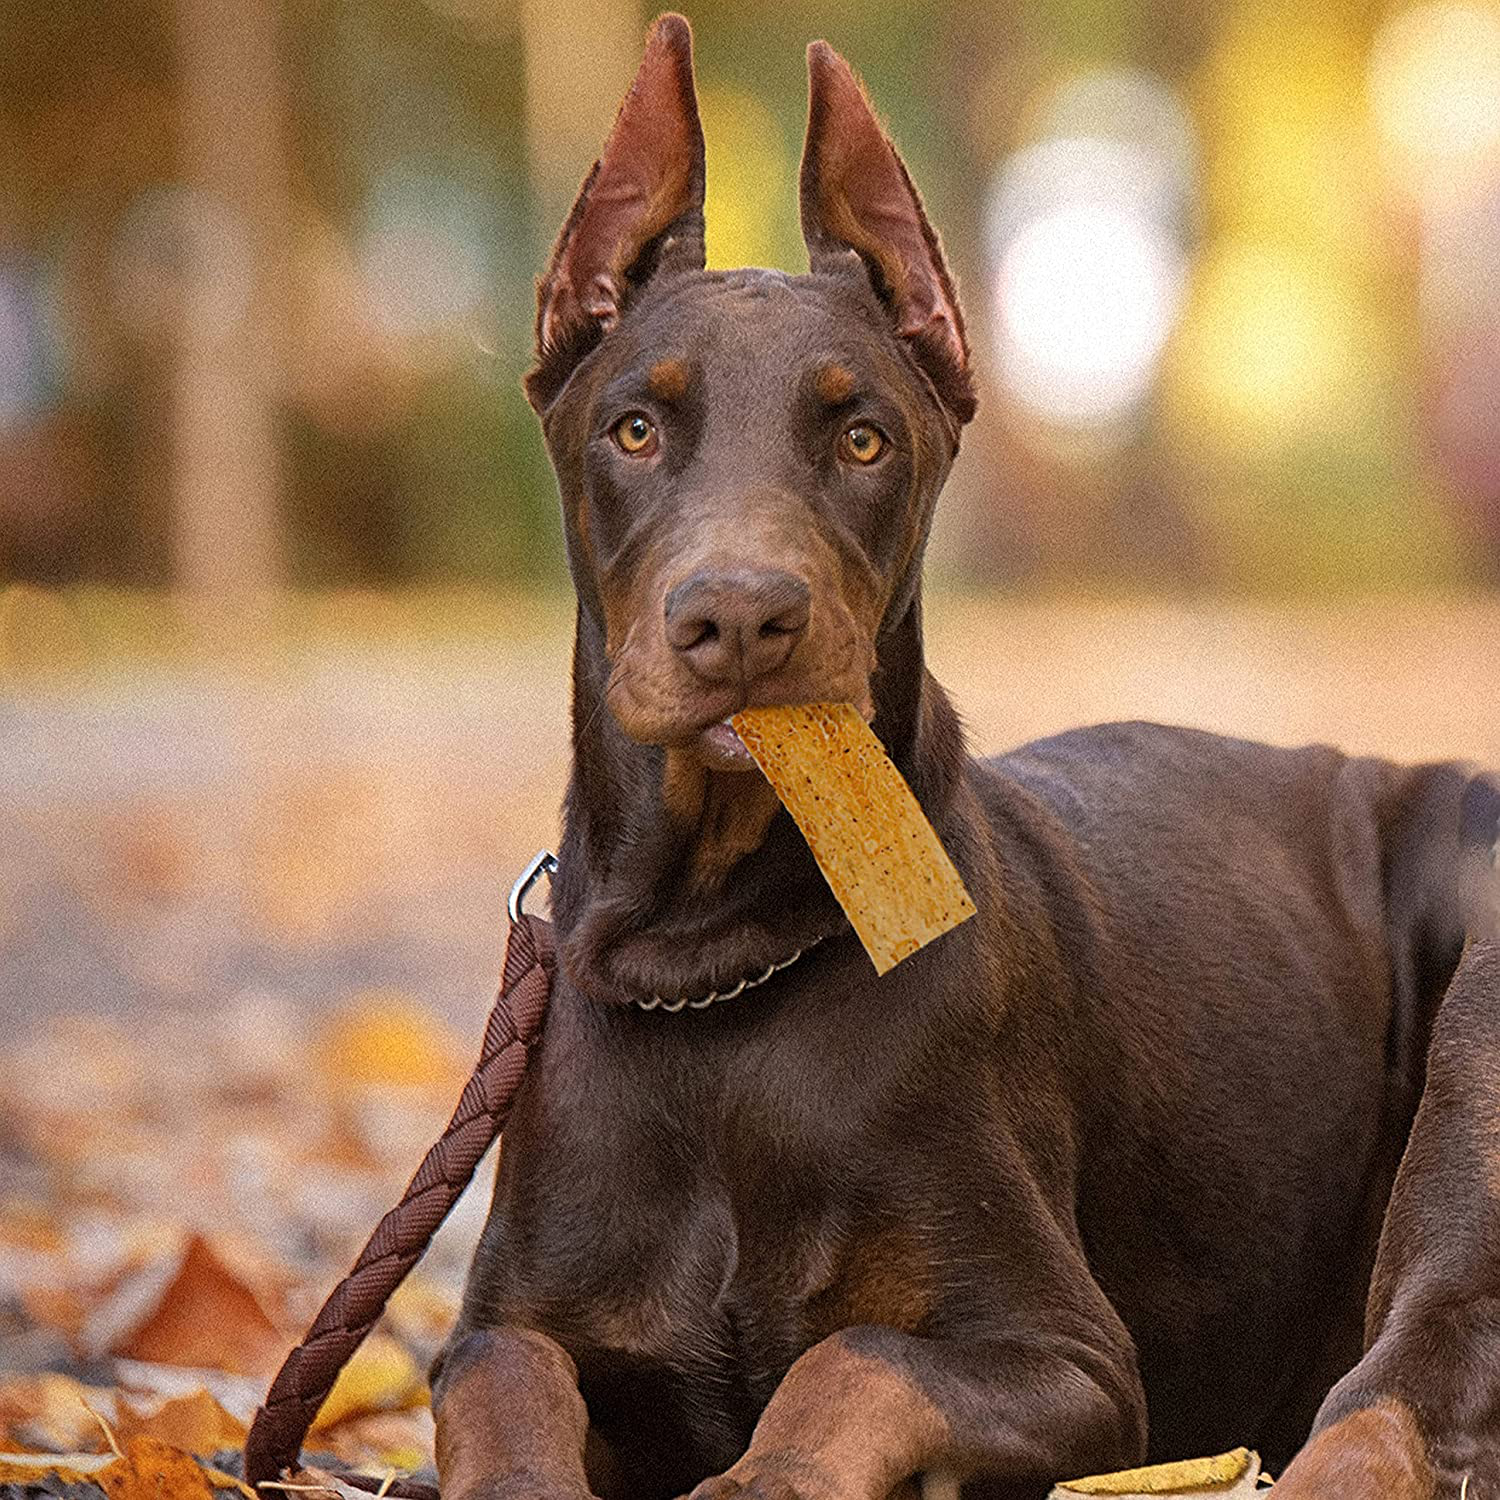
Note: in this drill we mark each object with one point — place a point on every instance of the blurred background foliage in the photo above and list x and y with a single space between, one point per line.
1232 268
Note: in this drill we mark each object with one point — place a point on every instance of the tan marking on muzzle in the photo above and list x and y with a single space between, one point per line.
652 687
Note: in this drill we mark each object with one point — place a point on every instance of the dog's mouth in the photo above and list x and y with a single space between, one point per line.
721 749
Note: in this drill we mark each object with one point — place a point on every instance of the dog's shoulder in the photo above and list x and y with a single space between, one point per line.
1122 799
1142 765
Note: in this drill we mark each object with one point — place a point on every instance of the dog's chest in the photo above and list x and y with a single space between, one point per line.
687 1218
685 1245
688 1356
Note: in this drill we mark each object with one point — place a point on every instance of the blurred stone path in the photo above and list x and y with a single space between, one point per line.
343 821
349 818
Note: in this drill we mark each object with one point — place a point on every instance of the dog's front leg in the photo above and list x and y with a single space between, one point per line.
511 1424
869 1408
1419 1415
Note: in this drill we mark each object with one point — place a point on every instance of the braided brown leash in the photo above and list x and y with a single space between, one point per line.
306 1376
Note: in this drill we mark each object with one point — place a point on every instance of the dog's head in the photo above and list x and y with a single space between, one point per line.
748 460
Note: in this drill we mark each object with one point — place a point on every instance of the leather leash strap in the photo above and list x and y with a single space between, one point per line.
274 1444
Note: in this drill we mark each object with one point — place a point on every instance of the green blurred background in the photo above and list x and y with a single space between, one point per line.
1232 269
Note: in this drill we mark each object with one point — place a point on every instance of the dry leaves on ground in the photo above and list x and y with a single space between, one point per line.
175 1200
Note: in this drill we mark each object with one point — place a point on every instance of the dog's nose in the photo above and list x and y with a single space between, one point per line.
737 626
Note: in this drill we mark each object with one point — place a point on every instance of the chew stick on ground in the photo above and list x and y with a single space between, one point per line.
867 832
1230 1474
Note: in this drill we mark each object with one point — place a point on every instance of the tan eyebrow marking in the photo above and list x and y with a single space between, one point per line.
667 380
834 383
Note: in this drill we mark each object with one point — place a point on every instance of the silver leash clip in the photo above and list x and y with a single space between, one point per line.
543 862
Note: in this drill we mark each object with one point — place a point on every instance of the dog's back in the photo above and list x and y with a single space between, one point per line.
1256 939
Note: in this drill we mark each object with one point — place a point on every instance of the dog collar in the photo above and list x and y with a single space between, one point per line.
545 863
657 1002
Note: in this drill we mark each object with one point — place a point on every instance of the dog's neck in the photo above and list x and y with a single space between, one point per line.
666 889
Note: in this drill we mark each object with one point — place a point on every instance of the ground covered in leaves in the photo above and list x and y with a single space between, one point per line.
250 922
177 1198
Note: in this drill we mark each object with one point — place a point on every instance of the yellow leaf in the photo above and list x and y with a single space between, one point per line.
1195 1476
153 1470
384 1037
381 1376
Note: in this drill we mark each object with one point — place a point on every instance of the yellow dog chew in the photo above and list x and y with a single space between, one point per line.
867 832
1234 1473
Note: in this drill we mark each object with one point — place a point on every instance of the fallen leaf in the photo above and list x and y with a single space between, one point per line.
86 1468
196 1423
145 1384
52 1412
222 1481
383 1037
380 1376
205 1315
71 1468
153 1470
313 1482
1228 1474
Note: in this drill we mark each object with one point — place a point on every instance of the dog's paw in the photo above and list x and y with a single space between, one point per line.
778 1477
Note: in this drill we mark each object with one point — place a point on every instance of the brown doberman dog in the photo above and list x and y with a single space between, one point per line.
1103 1174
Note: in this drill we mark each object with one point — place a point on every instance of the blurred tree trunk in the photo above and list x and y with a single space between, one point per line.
227 468
580 58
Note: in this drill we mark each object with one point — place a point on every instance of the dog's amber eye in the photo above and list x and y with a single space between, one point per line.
861 444
636 434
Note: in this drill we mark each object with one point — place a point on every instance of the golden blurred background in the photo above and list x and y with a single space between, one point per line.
1232 267
283 616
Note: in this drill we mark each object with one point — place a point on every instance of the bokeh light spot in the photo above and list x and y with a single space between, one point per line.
1084 232
1131 105
1271 350
1086 297
1434 86
1291 160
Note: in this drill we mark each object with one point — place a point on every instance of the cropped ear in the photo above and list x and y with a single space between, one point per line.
639 212
857 195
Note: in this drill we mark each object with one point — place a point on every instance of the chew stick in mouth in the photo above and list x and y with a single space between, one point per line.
869 835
